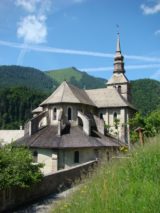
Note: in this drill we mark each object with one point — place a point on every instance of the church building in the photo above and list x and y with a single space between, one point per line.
73 126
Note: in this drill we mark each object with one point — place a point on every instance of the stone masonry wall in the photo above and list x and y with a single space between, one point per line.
15 197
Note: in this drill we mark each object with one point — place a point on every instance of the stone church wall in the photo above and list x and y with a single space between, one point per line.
85 155
49 158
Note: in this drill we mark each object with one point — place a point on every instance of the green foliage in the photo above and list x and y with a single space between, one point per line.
77 78
126 185
16 105
17 168
11 76
150 123
116 123
145 95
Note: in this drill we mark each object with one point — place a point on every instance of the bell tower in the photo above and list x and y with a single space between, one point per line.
118 79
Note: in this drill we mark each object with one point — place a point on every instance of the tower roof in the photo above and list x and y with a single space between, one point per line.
118 59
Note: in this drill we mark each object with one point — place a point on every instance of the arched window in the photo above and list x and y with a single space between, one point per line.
101 115
76 157
55 114
115 120
35 156
80 122
69 114
119 89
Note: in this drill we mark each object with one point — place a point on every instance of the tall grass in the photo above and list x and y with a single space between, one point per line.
129 185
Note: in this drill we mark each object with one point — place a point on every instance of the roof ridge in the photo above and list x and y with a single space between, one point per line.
63 89
125 100
70 85
95 89
53 93
82 91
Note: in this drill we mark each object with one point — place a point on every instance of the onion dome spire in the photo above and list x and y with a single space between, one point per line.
118 59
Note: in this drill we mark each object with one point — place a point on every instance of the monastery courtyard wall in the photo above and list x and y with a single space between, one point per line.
55 182
8 136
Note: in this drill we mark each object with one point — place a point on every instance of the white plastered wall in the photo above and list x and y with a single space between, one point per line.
74 110
85 155
122 115
49 158
8 136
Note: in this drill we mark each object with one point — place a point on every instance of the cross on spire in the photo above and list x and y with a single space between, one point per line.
117 26
118 49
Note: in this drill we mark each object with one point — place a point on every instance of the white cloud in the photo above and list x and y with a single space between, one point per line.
32 29
149 10
28 5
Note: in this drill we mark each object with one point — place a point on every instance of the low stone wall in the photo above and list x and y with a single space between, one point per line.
8 136
52 183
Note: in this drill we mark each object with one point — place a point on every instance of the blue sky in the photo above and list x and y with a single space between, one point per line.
53 34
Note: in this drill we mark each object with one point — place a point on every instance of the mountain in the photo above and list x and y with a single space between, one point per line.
11 76
145 94
77 78
27 87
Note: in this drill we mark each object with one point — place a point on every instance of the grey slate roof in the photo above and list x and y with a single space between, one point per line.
101 98
37 110
107 97
73 138
67 93
117 78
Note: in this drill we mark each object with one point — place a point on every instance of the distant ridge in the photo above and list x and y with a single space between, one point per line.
145 92
11 76
77 78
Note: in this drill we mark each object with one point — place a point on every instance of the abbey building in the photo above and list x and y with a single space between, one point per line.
73 125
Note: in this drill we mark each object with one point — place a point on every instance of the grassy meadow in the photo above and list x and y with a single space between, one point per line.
128 185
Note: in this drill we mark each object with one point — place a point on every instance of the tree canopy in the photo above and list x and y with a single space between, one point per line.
150 123
17 168
145 95
16 105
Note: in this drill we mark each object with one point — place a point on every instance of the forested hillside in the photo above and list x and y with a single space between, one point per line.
77 78
11 76
16 105
146 95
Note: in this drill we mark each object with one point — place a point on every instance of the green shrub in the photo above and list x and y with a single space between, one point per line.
17 168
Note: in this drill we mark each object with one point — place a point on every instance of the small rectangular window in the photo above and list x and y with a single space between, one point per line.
55 114
76 157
